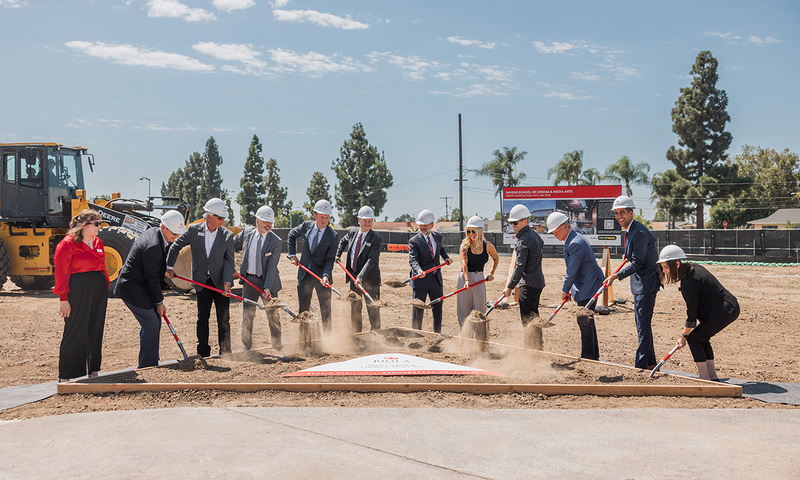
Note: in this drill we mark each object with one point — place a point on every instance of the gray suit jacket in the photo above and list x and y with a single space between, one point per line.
270 256
320 261
219 264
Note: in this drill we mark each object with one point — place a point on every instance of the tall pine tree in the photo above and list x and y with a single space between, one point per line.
276 195
184 183
363 177
252 195
701 176
317 190
211 179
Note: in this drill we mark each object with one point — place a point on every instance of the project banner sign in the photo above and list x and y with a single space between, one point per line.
587 206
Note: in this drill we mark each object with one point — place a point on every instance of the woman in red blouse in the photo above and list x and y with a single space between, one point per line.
82 286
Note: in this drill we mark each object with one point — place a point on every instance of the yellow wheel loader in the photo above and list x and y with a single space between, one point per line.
41 189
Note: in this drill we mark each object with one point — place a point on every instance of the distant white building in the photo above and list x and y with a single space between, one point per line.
784 218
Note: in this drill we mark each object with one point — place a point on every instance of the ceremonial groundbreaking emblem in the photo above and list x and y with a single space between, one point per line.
389 364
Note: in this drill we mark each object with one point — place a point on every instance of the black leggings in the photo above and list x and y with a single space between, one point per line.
82 342
698 339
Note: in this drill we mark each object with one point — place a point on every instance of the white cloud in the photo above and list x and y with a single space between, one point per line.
323 19
164 128
471 43
231 5
554 47
232 52
734 39
280 3
413 67
560 92
589 77
130 55
11 3
314 64
175 9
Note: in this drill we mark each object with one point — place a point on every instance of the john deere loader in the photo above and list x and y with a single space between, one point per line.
41 189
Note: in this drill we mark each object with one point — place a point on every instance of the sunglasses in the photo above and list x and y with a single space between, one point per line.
515 222
472 232
95 223
218 217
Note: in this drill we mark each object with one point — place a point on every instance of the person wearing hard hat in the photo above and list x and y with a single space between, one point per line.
139 282
707 302
213 265
363 247
583 278
261 253
639 246
527 274
424 252
319 253
474 252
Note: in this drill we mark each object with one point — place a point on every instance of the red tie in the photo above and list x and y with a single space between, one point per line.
356 252
624 239
430 245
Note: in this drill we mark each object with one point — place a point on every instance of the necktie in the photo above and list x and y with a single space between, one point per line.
430 245
259 268
356 252
625 240
315 240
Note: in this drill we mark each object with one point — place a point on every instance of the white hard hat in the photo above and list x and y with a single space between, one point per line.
555 220
174 222
671 252
623 201
324 207
425 217
518 212
265 214
216 207
475 222
366 212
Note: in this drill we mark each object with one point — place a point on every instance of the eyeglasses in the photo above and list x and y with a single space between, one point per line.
95 223
515 222
472 232
218 217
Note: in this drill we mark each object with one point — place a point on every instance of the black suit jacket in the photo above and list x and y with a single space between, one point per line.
320 261
139 281
420 259
270 255
367 268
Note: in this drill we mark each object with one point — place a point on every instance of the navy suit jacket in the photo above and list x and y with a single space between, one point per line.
642 255
219 264
139 281
367 267
420 259
270 255
320 261
584 276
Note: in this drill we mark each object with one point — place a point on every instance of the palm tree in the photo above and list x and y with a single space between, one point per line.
625 172
568 169
501 170
590 176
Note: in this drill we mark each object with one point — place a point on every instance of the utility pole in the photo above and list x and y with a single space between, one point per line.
446 209
460 180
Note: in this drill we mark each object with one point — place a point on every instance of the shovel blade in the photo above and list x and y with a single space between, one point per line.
652 374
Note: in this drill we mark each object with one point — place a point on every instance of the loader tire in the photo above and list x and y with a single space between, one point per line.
34 282
4 264
117 243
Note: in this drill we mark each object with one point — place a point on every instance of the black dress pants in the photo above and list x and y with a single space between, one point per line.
82 343
205 298
433 292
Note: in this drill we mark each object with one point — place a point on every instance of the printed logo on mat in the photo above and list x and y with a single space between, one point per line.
389 364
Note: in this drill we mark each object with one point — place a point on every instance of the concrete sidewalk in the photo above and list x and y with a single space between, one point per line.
357 443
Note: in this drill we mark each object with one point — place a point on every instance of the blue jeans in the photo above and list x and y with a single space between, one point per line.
148 335
643 305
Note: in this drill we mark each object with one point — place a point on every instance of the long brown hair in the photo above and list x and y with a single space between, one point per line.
79 221
676 271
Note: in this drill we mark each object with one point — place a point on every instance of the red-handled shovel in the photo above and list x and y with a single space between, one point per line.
550 320
434 302
354 282
407 281
237 297
603 286
317 277
495 304
180 345
664 360
262 292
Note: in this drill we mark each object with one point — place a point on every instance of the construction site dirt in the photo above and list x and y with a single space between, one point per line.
760 346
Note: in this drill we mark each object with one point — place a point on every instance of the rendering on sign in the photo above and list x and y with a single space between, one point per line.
587 206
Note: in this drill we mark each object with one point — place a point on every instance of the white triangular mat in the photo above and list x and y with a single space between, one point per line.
389 364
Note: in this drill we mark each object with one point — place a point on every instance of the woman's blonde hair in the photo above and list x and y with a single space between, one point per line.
467 243
79 221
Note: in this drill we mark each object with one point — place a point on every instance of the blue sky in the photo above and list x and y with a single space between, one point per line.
144 83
